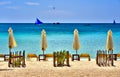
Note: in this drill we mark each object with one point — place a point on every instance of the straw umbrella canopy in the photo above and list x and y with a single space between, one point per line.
44 41
109 44
76 42
11 40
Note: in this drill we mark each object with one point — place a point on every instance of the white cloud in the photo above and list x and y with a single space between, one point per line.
12 7
32 3
5 3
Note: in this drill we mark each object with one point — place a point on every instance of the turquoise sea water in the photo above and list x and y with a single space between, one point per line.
28 37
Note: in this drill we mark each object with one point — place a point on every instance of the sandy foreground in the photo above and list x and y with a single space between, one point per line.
81 68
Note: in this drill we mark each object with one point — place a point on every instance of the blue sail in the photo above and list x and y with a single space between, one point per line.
114 22
38 21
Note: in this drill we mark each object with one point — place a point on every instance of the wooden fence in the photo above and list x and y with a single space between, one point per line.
17 59
104 59
55 60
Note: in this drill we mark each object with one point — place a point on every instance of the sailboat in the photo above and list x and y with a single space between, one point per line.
37 22
114 22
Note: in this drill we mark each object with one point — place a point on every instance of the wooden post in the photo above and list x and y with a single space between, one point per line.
54 59
9 59
97 57
112 63
23 64
89 58
105 58
67 58
20 53
72 57
4 58
12 59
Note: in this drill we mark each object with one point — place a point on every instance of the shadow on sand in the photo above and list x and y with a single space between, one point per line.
5 69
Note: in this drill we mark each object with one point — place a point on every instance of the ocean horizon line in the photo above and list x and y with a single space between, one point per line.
58 23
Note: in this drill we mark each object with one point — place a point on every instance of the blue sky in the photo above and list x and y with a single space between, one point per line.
79 11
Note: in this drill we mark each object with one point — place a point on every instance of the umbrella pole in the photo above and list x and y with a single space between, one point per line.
76 51
9 50
43 52
43 55
77 56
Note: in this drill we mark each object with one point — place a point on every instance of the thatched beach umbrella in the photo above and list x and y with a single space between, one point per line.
76 42
11 40
44 41
109 44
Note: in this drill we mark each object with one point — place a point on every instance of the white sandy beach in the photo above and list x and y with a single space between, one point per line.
81 68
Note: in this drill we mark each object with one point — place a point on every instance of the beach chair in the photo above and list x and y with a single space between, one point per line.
75 57
4 56
31 56
48 56
41 57
118 56
85 55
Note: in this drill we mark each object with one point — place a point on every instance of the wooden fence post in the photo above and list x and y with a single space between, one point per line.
23 65
54 59
67 58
